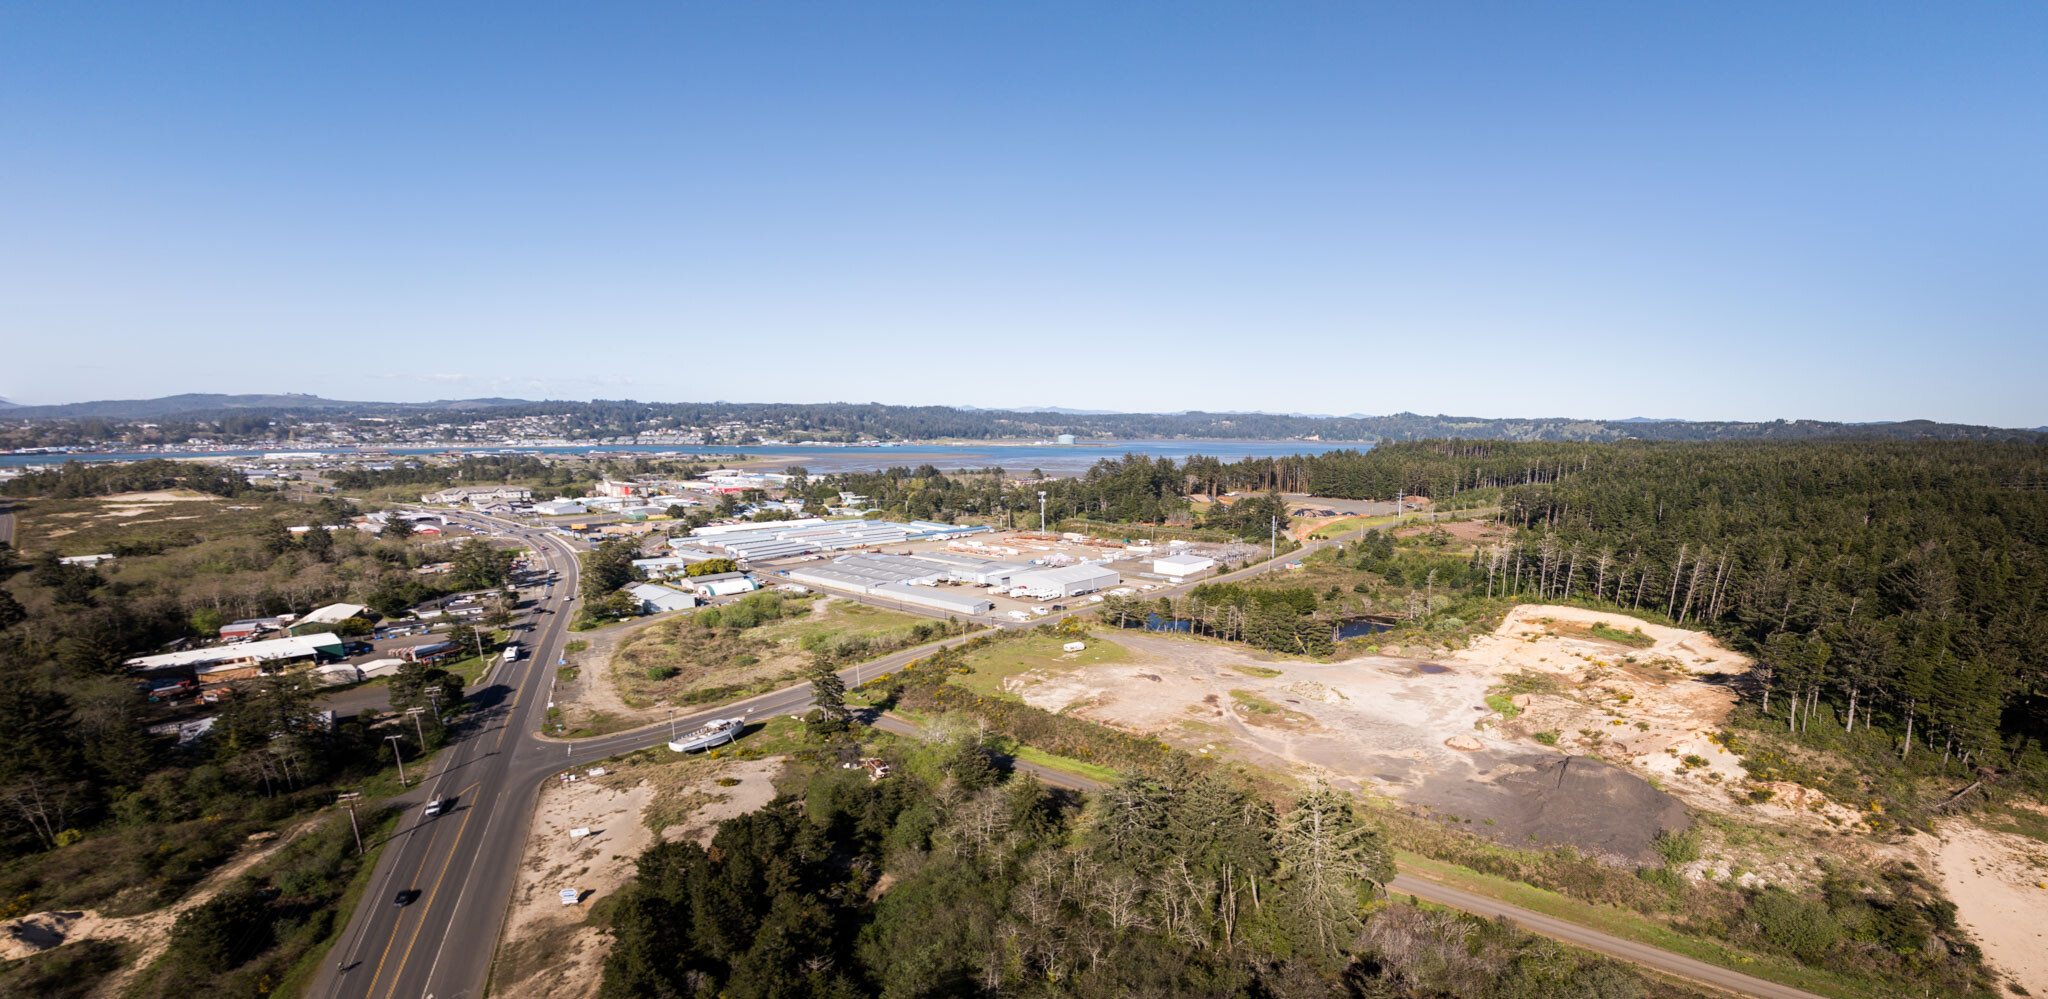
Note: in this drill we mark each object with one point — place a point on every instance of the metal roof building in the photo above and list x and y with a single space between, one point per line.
787 538
1067 581
296 647
657 599
907 579
1178 566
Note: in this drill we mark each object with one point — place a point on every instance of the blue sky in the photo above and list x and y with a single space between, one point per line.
1710 211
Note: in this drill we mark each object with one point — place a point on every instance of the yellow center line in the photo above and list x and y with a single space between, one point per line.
511 716
398 972
386 952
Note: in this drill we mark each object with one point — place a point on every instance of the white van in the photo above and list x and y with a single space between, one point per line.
512 652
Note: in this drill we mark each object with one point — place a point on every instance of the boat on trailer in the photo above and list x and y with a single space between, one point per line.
716 732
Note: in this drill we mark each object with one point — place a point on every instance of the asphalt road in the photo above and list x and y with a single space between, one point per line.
464 862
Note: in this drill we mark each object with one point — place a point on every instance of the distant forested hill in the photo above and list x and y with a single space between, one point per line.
255 415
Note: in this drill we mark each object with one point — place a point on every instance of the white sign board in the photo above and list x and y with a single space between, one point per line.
579 833
569 896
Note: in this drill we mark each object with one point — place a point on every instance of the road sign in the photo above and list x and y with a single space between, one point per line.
569 896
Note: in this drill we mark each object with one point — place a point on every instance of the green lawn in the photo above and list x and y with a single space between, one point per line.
996 663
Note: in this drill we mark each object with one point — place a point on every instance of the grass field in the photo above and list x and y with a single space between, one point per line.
998 662
1347 525
710 658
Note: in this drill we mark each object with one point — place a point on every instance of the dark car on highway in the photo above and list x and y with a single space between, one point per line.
405 897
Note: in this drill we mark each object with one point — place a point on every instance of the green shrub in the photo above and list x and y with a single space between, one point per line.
1801 927
663 672
1677 847
1548 737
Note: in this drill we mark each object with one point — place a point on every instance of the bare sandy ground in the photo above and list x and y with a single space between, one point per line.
1647 709
160 496
1999 883
150 932
1399 727
548 949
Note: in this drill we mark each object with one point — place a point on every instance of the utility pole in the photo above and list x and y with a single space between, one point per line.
417 727
671 724
1272 542
1041 511
349 799
399 756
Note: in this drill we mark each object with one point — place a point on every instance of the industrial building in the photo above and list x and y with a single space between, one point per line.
1067 581
723 584
252 653
802 537
479 495
558 508
909 579
655 598
1181 566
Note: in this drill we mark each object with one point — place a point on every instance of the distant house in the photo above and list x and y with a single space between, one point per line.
249 627
86 560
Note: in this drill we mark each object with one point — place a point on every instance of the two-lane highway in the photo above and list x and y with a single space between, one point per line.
460 862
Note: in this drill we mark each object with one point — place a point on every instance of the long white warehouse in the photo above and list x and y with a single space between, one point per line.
1069 581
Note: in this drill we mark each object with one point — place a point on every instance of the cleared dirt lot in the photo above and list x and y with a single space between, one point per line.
1647 704
1403 728
553 950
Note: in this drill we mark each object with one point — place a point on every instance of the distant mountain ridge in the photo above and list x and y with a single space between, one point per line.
192 404
247 416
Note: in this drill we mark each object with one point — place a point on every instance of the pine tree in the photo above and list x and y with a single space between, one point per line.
1329 863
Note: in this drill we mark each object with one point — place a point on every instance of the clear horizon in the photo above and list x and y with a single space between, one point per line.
1745 212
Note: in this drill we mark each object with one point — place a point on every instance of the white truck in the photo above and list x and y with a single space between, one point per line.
512 652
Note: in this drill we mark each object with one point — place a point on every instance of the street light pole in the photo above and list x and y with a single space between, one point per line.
399 756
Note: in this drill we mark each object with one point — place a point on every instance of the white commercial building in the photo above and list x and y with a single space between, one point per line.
726 586
296 647
1182 566
655 598
331 614
1067 581
907 579
560 507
